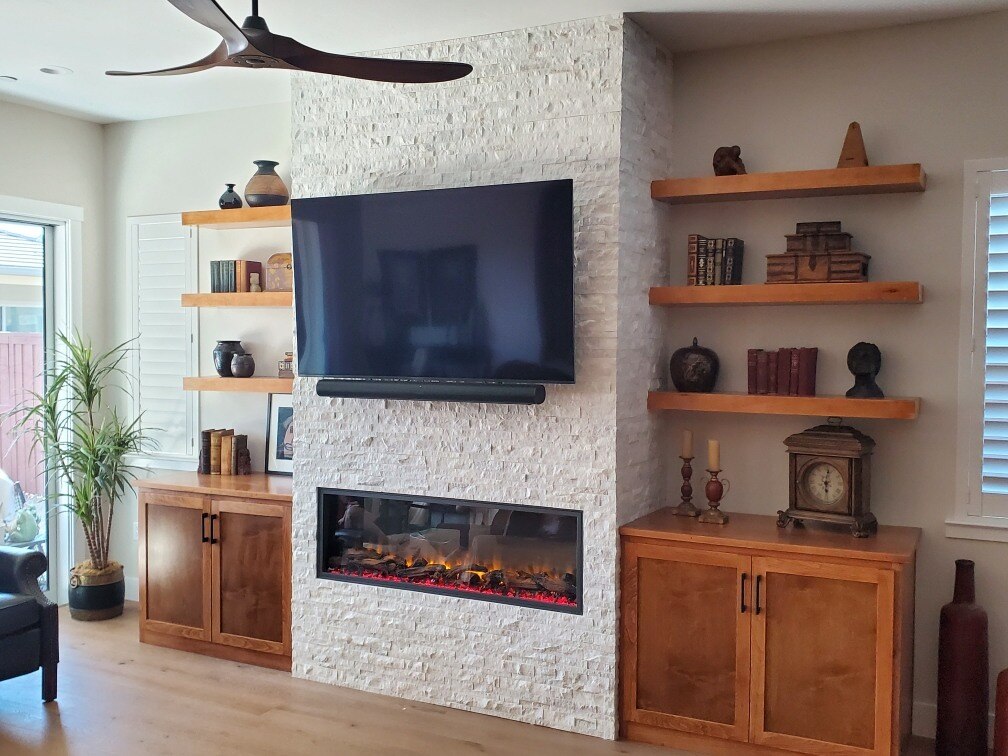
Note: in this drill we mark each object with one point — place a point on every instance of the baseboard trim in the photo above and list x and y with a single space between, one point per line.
925 717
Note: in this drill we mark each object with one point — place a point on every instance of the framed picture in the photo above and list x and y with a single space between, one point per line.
280 435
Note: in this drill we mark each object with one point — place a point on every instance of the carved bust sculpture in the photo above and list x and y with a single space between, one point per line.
864 360
727 161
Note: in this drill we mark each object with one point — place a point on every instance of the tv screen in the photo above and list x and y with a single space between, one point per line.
472 284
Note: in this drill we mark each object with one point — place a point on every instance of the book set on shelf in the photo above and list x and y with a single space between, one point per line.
783 372
222 452
714 262
235 276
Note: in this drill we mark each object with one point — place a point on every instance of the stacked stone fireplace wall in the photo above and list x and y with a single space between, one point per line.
543 103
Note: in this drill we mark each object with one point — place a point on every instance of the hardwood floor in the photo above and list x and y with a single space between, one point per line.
120 697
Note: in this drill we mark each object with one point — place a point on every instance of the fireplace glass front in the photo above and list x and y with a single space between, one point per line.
508 553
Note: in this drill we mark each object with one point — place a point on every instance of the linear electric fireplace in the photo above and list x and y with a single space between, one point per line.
509 553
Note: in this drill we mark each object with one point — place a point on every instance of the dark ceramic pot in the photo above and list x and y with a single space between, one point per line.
694 369
230 200
223 353
97 596
962 671
242 366
266 188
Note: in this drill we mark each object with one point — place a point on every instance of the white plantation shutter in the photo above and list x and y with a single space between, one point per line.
164 257
995 416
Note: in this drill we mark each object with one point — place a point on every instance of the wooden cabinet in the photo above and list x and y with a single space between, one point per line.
215 565
750 639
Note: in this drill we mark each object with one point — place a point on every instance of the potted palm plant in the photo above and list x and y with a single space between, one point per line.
85 442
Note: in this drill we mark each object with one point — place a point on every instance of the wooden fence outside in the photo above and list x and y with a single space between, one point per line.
21 363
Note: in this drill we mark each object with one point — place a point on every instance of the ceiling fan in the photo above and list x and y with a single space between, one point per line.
253 45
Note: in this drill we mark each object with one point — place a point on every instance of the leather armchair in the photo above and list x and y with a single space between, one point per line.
29 623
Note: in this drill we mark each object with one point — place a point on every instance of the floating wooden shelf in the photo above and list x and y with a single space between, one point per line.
760 404
243 299
243 217
249 385
830 182
878 292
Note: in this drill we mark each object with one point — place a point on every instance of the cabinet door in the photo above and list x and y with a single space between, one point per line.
251 575
822 657
685 645
175 564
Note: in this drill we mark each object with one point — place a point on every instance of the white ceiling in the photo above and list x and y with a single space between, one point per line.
94 35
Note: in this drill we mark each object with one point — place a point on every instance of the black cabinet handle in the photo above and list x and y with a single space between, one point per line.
213 519
759 582
742 607
203 534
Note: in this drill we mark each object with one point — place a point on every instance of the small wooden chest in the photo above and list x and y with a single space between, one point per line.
817 268
823 243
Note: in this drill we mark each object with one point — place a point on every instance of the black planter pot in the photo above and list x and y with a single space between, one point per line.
97 596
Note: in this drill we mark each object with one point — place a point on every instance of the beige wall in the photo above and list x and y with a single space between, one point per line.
169 165
59 159
929 93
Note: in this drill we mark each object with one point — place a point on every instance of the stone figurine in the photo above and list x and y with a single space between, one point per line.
864 360
728 161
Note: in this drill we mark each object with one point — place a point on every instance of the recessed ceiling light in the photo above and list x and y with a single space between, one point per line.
8 78
56 70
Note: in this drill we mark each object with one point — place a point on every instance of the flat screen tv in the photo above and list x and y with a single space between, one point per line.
471 284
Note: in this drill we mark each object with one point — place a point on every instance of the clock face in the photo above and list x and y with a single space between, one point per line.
823 483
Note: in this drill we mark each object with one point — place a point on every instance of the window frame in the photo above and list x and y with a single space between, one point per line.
980 179
154 459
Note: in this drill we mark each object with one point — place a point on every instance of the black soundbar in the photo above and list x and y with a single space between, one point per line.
490 393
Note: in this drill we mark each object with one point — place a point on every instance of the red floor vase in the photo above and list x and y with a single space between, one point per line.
1001 715
962 671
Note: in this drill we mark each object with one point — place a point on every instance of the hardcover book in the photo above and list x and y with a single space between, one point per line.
691 258
751 361
762 372
807 371
783 371
702 243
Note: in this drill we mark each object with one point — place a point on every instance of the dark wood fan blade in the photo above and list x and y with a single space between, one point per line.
212 16
216 58
305 58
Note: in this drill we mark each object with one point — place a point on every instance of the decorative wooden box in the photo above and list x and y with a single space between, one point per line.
822 243
805 267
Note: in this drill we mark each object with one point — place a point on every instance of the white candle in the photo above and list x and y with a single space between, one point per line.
687 444
713 454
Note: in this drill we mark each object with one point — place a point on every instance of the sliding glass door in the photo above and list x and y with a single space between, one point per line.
25 343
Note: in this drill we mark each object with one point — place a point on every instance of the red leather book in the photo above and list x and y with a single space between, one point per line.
772 372
751 362
783 372
762 372
807 371
793 378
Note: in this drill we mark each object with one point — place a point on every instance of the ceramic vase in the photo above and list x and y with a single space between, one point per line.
223 353
242 366
230 200
694 368
266 188
962 671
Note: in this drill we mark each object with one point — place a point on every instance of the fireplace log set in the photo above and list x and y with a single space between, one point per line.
517 583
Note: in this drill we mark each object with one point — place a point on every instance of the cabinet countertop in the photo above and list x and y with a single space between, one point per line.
255 486
760 532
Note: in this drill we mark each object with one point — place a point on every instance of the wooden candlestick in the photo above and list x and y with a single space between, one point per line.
715 490
686 507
